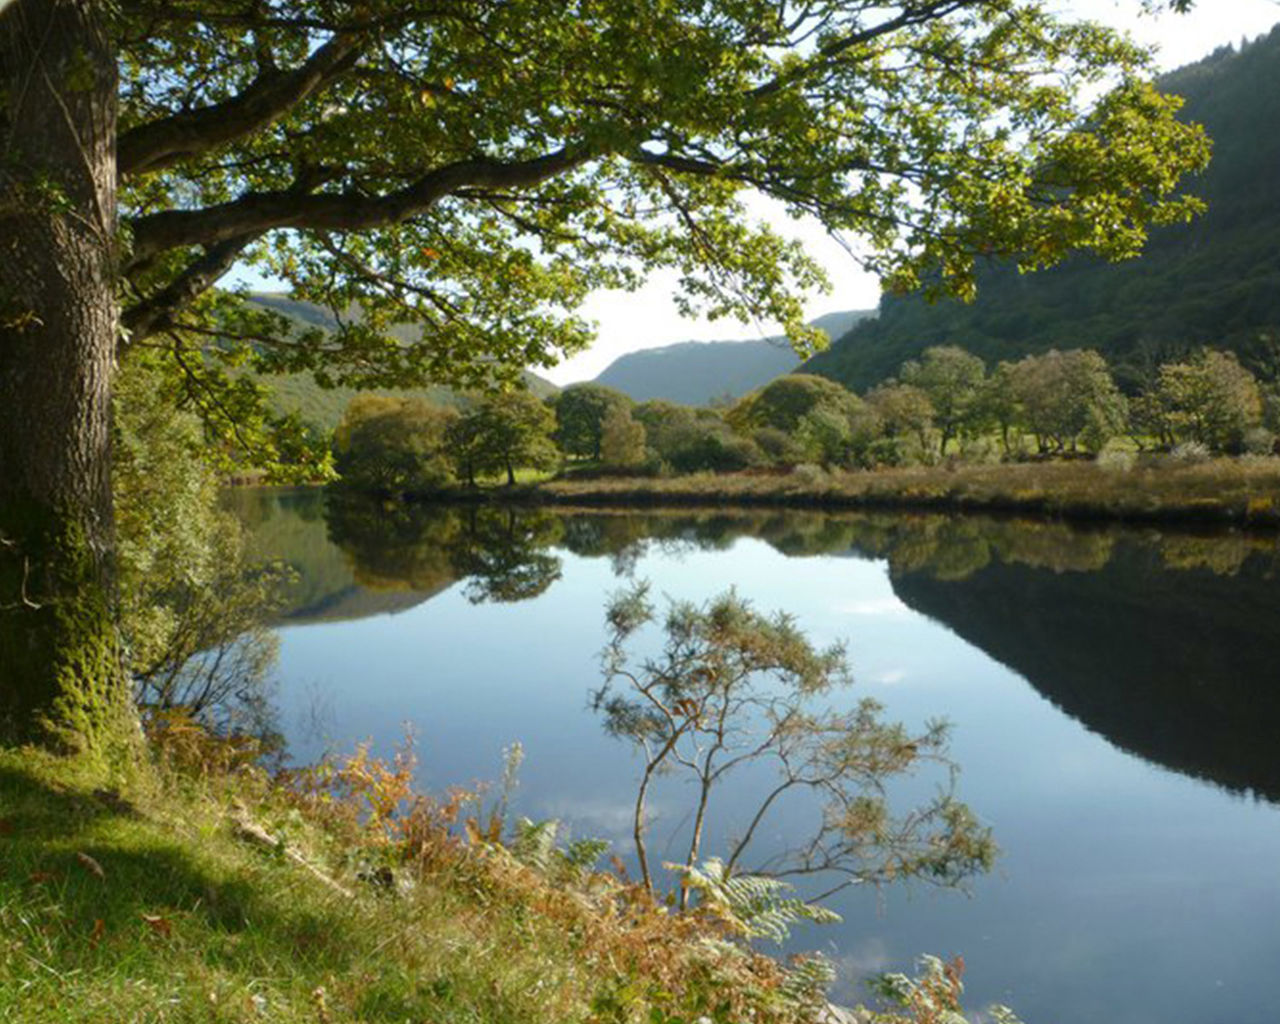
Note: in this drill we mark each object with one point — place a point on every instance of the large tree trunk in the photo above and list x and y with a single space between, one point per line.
61 680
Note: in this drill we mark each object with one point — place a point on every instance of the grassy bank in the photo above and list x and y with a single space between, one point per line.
1238 491
200 890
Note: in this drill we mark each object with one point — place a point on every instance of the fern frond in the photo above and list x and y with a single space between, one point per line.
752 906
535 843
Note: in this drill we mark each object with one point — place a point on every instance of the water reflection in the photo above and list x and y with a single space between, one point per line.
1165 643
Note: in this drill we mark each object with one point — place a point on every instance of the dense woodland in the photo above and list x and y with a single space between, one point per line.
1215 281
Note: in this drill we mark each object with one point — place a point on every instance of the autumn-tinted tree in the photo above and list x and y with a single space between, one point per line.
621 439
1210 399
393 445
1066 397
904 411
729 689
473 170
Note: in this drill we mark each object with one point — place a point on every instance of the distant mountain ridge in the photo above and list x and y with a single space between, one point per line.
1213 282
323 407
699 372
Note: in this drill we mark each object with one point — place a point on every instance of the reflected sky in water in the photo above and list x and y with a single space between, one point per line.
1128 891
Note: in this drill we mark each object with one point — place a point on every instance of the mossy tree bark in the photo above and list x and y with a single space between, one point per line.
61 676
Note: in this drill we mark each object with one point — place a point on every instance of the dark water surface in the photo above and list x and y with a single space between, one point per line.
1115 697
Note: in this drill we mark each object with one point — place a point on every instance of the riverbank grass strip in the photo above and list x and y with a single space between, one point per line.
1239 491
150 907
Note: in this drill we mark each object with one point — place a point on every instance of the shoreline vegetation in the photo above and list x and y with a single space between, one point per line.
1239 492
1049 435
196 884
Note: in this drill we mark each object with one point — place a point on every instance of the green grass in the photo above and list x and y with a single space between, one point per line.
145 903
190 923
1242 490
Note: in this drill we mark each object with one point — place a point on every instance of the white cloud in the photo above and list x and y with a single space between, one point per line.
888 606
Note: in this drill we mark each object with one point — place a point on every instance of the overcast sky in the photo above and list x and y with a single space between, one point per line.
648 318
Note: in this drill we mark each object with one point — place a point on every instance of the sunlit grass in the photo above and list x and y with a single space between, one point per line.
146 907
198 888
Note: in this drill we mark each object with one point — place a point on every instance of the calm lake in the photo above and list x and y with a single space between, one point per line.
1114 696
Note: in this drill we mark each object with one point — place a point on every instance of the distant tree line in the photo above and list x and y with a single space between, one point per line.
946 404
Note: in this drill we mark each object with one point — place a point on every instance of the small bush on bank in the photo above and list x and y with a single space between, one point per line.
1190 453
1116 459
1259 441
807 474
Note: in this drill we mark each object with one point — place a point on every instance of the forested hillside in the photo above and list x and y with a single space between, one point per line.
698 372
1213 282
323 407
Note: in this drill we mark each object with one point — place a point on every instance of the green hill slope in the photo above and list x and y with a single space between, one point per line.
1214 282
696 372
323 407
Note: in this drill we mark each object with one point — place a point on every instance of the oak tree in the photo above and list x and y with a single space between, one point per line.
501 433
474 169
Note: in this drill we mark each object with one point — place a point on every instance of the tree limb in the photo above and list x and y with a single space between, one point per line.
156 312
258 212
158 144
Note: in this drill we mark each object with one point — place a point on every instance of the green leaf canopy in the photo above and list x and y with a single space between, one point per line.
474 169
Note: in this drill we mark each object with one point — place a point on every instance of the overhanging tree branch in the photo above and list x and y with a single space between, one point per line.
156 312
259 212
911 15
158 144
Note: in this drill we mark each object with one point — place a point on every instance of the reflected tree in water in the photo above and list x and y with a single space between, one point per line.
503 551
1163 642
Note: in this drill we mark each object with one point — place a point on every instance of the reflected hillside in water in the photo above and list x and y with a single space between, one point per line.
1165 643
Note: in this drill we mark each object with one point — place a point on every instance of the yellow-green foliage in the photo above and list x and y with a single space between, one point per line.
393 444
185 581
621 439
